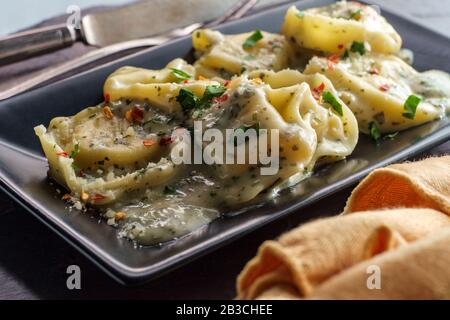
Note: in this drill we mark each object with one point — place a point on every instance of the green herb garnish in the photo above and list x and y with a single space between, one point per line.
169 190
346 55
213 91
355 15
251 41
329 98
374 132
358 47
180 74
410 106
189 101
75 151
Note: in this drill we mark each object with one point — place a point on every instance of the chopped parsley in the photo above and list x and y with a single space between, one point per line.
374 132
189 101
169 190
213 91
75 151
376 136
358 47
410 106
251 41
180 74
345 55
356 15
329 98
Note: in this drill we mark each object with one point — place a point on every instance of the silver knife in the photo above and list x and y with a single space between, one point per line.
142 19
239 9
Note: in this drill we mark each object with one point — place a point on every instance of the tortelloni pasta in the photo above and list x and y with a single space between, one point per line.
309 129
117 156
121 156
223 56
335 27
378 89
336 131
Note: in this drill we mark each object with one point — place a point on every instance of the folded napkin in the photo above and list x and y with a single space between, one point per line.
335 257
421 184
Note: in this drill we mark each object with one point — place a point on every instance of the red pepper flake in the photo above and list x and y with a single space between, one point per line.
384 87
374 71
317 91
148 142
340 46
222 98
66 197
330 65
186 81
62 154
226 83
333 59
164 141
97 197
107 97
108 112
135 114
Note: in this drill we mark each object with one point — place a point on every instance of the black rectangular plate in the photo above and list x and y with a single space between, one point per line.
23 168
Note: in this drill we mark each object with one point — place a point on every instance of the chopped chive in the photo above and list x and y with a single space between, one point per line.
329 98
251 41
180 74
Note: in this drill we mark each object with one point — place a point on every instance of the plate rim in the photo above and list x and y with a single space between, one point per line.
131 276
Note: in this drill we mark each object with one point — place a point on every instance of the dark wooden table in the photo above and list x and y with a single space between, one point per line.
33 260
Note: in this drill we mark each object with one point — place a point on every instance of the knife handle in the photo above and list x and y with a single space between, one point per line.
31 43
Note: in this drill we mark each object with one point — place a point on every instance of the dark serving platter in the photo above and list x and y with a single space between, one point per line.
23 168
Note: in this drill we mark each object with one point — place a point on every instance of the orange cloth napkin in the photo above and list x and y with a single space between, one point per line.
408 249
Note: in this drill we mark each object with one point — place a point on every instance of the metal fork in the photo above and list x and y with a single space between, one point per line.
236 11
